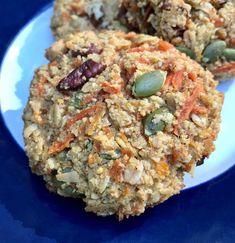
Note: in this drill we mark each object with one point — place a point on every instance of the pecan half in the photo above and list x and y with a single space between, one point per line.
79 76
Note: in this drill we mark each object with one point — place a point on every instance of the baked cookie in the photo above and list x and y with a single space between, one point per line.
116 119
71 16
204 30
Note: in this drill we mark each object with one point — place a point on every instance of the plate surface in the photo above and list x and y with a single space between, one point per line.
29 210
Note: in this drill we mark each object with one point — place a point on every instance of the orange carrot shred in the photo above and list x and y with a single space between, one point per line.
168 80
218 22
144 60
162 168
111 88
39 88
199 110
142 49
228 67
177 79
80 115
59 146
88 99
232 41
164 46
192 76
188 106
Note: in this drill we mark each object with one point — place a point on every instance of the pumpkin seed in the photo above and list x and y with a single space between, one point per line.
66 169
62 156
149 83
151 128
106 156
213 51
110 157
229 54
68 190
187 51
88 145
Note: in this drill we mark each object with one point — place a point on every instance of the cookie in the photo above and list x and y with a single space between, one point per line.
117 119
204 30
71 16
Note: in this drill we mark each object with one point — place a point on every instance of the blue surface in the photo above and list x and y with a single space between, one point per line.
29 213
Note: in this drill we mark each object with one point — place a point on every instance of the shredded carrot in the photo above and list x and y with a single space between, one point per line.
129 35
176 79
111 88
108 132
39 88
53 64
192 76
228 67
95 120
144 60
126 191
93 158
162 168
143 49
126 152
188 106
80 115
176 154
65 16
199 110
164 46
118 80
218 22
88 99
115 87
232 41
168 80
123 137
116 171
59 146
188 166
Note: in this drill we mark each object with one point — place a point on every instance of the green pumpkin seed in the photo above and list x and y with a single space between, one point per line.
187 51
77 100
62 156
88 145
118 153
213 51
149 83
106 156
68 190
151 128
110 157
229 54
56 183
66 169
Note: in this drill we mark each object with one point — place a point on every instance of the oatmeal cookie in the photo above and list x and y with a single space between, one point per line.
117 118
71 16
204 30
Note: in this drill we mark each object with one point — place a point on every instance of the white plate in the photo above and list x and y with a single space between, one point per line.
26 53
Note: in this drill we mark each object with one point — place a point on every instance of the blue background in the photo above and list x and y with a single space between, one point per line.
29 213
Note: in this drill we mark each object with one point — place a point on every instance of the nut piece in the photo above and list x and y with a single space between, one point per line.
79 76
213 51
149 83
186 51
